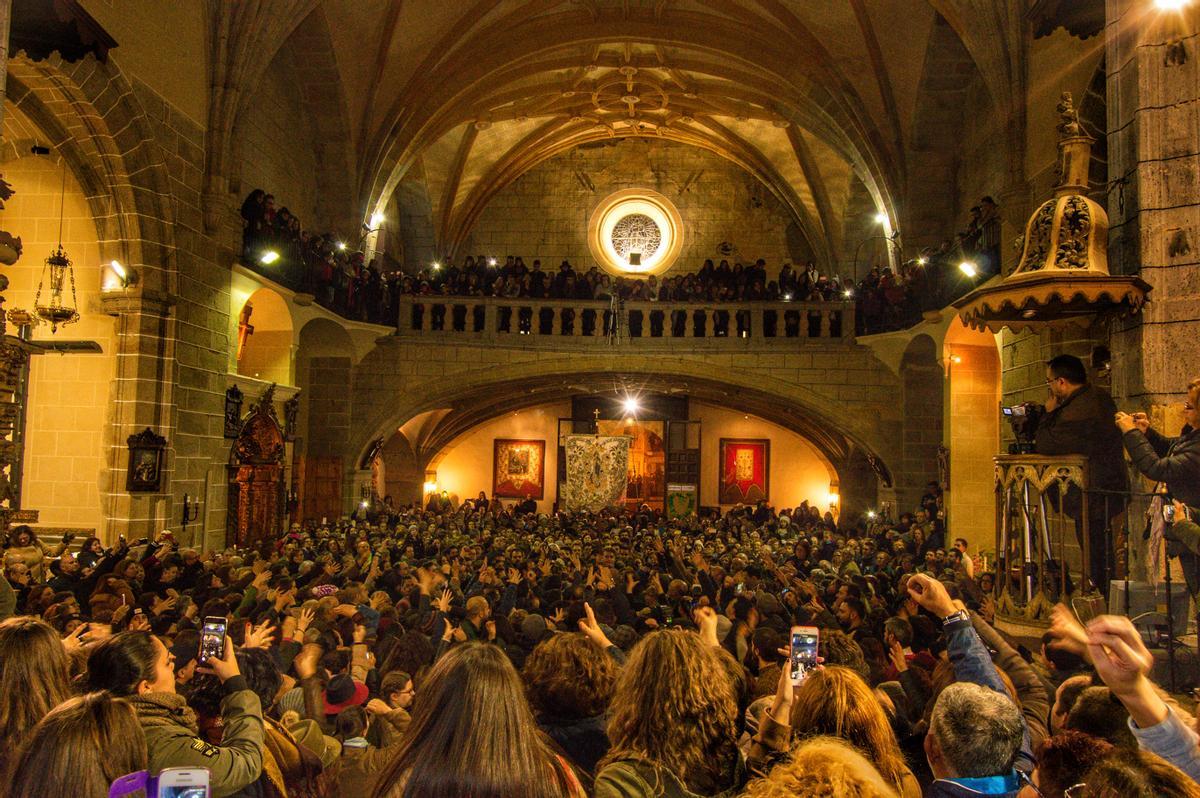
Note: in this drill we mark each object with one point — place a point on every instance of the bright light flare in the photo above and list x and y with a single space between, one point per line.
968 268
631 405
268 257
1172 5
881 218
341 245
377 219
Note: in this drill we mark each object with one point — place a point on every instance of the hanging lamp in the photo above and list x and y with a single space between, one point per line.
57 311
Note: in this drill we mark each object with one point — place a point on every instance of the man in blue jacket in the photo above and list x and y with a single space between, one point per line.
977 740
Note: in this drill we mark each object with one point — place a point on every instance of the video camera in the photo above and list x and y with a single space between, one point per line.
1024 419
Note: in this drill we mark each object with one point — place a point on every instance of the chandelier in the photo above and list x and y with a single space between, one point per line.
57 311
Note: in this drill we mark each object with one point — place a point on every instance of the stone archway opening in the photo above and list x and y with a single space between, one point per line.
265 338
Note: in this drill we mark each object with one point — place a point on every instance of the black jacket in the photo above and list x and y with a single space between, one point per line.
584 740
1083 424
1175 461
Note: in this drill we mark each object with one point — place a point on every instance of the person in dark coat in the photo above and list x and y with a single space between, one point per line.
1175 462
1078 420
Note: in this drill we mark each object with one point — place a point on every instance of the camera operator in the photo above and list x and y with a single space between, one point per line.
1077 421
1175 462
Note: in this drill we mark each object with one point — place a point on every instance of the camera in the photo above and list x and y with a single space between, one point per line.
1023 419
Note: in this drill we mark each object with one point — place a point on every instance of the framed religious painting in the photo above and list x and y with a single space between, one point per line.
745 470
519 469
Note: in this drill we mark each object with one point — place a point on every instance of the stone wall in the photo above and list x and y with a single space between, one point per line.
544 213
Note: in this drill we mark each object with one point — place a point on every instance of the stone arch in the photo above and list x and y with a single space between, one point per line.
934 151
91 116
972 363
863 445
266 353
307 61
922 394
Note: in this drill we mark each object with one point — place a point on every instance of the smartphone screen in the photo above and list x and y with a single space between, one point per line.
183 783
212 638
803 657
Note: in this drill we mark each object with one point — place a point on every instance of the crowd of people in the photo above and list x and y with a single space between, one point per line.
479 651
341 279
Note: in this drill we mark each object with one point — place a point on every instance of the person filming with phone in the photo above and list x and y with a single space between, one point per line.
1077 421
1175 464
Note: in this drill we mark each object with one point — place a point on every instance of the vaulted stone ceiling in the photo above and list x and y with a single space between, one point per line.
808 96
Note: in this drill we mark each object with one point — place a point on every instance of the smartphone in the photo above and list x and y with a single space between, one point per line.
183 782
1169 513
212 638
803 655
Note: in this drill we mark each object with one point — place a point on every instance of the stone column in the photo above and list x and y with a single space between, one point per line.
5 18
140 397
1153 62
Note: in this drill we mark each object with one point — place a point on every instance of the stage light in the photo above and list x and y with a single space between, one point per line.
881 218
631 405
342 246
968 268
377 219
268 257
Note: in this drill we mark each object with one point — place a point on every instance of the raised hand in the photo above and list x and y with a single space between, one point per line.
931 594
224 668
261 636
896 655
591 628
1118 653
1068 632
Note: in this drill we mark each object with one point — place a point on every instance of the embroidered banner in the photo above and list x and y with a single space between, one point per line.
597 472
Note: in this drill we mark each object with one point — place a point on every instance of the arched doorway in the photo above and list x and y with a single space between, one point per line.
972 363
256 488
264 338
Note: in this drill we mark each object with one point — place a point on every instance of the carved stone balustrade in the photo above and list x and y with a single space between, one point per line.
550 322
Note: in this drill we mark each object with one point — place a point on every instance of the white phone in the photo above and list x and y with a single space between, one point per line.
802 657
183 783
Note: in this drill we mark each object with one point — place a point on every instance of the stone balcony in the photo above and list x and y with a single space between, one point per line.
649 325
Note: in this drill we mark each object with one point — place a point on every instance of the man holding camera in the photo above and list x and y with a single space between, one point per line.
1078 420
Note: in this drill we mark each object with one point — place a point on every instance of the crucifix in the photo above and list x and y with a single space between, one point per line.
596 422
245 328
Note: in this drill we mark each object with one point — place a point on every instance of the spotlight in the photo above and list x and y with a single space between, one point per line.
1172 5
491 262
847 294
341 245
968 268
871 514
631 405
119 270
377 219
268 257
881 218
365 504
436 266
921 261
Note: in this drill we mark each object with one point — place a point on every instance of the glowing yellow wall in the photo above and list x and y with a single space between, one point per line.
68 394
797 471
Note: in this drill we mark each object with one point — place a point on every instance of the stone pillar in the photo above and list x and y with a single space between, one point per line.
140 397
5 18
1153 63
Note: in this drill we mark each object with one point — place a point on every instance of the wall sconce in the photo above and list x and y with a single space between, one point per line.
119 276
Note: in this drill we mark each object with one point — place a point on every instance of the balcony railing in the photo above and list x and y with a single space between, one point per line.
496 320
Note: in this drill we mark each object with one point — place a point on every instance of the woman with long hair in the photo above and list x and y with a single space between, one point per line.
672 722
836 702
34 678
1135 774
472 733
137 666
80 748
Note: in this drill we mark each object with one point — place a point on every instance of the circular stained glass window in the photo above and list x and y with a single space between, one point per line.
636 237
